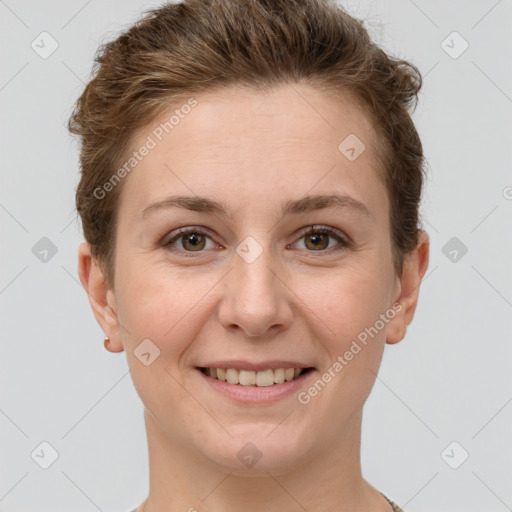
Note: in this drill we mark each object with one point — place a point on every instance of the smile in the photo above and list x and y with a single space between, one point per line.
263 378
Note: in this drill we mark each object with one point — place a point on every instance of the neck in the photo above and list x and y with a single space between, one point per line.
183 480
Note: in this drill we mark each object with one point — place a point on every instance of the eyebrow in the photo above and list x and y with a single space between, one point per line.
303 205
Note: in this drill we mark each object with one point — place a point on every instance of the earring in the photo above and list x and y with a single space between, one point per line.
107 343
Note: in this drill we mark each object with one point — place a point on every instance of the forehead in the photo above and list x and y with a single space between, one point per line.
290 139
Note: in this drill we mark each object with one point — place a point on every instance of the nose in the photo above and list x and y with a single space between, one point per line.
256 298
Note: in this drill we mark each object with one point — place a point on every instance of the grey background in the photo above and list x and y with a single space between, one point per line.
449 380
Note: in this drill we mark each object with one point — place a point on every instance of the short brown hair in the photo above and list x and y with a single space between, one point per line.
202 45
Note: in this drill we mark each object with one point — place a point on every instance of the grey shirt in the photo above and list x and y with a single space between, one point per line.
395 507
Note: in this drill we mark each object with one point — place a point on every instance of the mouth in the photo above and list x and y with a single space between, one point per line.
251 378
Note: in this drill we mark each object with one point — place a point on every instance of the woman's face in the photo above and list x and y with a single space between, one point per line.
249 285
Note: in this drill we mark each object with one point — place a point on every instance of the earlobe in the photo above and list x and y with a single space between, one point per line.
110 347
415 267
101 297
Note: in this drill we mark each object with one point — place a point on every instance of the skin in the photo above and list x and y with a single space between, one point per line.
252 151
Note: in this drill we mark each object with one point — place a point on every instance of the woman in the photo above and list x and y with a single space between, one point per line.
249 194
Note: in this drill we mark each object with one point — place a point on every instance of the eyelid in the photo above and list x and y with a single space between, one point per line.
313 228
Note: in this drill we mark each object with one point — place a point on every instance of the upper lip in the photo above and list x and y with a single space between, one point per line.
240 364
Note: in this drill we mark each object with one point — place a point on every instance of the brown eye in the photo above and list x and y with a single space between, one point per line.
323 240
193 242
188 240
317 241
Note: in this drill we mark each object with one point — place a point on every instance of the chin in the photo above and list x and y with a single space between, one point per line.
256 450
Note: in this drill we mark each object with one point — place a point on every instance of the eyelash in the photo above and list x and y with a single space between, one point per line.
343 244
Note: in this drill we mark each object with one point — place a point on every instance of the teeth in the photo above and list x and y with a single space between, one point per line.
251 378
279 376
288 374
265 378
247 378
232 376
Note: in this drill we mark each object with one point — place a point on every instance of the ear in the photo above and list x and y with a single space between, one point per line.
101 297
408 288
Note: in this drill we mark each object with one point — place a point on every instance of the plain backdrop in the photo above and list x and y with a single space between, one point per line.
437 426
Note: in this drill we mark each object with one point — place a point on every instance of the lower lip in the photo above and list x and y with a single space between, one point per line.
257 394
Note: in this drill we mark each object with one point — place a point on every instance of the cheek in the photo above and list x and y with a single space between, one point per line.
348 302
344 310
167 310
350 309
164 306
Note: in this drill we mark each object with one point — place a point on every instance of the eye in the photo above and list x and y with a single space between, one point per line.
323 239
189 239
